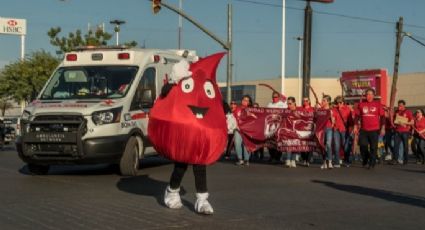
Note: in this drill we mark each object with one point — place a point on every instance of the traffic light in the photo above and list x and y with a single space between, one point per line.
156 6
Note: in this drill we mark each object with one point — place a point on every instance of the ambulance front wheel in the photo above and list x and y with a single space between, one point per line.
130 161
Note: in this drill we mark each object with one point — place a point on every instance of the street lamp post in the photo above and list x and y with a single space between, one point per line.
283 46
117 24
300 41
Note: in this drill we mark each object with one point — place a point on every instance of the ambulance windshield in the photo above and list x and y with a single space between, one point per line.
90 82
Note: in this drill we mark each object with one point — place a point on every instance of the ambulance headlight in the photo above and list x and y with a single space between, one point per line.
107 116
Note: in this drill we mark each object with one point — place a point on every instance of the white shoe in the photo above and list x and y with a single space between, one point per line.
202 205
288 163
330 165
324 165
293 164
172 198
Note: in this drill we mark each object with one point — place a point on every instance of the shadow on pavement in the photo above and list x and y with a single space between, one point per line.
77 170
146 186
412 171
377 193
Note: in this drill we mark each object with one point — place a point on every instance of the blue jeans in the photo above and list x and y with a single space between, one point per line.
339 140
240 147
401 137
328 138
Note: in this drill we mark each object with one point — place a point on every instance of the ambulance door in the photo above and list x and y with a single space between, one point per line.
144 98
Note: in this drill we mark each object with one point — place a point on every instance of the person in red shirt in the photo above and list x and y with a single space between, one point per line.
306 106
371 116
241 151
419 136
343 121
403 120
326 104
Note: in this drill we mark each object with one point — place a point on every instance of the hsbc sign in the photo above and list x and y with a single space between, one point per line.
13 26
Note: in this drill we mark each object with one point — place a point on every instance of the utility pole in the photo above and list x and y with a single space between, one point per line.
399 36
180 27
308 20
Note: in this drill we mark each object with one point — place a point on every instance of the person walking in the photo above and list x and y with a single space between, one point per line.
231 127
276 103
290 156
403 120
241 151
326 104
419 136
343 123
306 107
370 123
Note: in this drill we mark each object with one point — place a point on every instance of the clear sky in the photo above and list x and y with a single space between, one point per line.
339 42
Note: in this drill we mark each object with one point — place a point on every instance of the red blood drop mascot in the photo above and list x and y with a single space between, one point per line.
187 125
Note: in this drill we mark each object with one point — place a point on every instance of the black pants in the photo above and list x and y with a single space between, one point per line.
199 171
368 141
419 149
401 137
274 154
306 156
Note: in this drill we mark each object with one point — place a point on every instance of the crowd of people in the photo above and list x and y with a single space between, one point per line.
365 131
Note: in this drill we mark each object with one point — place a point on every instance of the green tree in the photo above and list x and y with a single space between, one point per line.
4 105
75 39
22 80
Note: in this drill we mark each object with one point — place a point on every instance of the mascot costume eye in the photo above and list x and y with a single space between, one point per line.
188 123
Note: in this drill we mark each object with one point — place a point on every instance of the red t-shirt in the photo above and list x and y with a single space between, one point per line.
420 124
370 114
309 109
343 119
404 128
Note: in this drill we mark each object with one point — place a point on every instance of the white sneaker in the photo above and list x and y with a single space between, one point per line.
293 164
202 205
388 157
324 165
288 163
337 166
330 165
172 198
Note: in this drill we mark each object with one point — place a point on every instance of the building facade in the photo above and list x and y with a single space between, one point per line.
410 87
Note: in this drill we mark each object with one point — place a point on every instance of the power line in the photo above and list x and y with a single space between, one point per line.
330 14
414 39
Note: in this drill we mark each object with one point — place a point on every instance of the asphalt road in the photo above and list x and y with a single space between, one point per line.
260 196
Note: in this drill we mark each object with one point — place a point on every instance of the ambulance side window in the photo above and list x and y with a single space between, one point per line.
146 91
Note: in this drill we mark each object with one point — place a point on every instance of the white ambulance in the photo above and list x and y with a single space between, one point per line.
95 108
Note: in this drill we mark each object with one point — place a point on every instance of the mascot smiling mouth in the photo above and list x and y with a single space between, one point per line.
198 111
